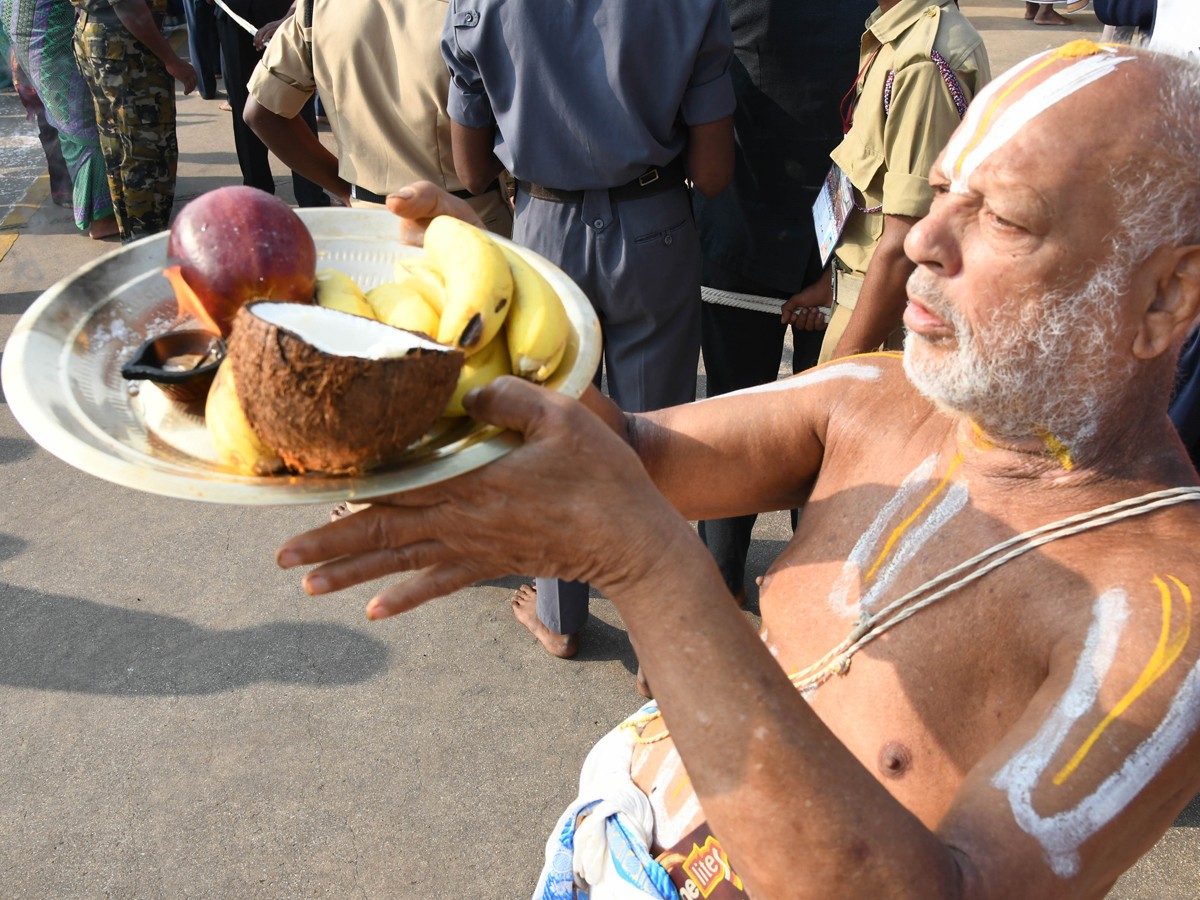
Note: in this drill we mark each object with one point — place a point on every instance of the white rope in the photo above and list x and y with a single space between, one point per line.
837 660
772 305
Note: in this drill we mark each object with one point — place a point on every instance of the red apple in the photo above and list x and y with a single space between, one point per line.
237 244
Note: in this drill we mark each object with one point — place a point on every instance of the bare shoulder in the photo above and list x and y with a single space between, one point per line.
1107 753
761 448
859 387
870 399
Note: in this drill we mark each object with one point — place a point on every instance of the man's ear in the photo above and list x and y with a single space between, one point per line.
1176 303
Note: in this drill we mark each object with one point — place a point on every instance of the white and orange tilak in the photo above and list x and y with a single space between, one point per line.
1019 96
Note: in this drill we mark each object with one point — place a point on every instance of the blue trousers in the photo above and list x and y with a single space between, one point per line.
638 261
204 47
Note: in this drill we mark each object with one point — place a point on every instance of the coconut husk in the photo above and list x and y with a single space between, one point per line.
336 414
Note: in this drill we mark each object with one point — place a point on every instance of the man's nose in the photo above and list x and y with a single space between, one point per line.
932 242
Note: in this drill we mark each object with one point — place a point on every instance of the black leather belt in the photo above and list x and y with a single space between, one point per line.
361 193
655 180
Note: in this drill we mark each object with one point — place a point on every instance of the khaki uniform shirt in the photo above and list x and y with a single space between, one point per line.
383 85
887 157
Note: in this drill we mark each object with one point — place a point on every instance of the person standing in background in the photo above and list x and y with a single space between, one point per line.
241 52
131 71
41 34
602 112
1042 12
920 63
793 61
379 70
204 47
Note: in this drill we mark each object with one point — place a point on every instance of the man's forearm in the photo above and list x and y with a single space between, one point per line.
475 161
296 146
710 156
881 304
135 15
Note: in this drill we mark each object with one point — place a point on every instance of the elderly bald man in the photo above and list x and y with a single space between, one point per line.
978 673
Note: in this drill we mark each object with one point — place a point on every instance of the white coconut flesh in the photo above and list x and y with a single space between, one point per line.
343 334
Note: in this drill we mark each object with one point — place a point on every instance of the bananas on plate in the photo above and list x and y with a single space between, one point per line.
471 293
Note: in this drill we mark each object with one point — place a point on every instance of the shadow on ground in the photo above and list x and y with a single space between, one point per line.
16 302
56 643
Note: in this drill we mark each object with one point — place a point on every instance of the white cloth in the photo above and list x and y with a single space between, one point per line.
1177 28
608 852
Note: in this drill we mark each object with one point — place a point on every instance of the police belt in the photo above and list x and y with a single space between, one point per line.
361 193
655 180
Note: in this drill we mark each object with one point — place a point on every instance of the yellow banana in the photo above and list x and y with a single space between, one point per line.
537 326
479 284
483 368
337 290
234 440
400 306
427 279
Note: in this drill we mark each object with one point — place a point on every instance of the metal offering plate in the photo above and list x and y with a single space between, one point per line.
62 376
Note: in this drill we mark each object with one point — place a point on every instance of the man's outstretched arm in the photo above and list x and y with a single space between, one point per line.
1030 818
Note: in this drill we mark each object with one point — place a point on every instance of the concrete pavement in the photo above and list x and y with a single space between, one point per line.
178 720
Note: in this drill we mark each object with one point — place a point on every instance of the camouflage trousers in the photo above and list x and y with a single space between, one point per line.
135 115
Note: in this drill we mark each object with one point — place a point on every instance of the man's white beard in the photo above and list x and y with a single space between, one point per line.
1046 373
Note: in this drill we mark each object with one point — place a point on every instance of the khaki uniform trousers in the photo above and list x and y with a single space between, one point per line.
846 289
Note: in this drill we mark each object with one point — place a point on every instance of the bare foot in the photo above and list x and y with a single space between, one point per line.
1031 10
524 606
1046 15
225 107
103 228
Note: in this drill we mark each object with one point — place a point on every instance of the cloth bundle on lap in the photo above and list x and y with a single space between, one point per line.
600 848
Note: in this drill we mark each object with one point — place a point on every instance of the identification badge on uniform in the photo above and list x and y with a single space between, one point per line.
831 210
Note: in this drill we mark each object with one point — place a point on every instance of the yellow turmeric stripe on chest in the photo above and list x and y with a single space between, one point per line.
1165 654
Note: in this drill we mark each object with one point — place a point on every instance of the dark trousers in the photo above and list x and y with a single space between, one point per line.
1185 403
204 47
238 61
743 348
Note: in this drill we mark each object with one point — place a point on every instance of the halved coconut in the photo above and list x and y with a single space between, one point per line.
334 392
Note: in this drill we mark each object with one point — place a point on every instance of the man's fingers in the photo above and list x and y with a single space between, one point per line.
421 201
511 403
436 581
367 530
367 566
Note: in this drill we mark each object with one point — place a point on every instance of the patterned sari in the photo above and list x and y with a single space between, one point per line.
41 33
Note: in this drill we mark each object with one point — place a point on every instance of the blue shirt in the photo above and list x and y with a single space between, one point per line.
586 94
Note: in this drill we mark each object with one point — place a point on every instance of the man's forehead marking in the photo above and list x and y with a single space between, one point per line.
990 123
